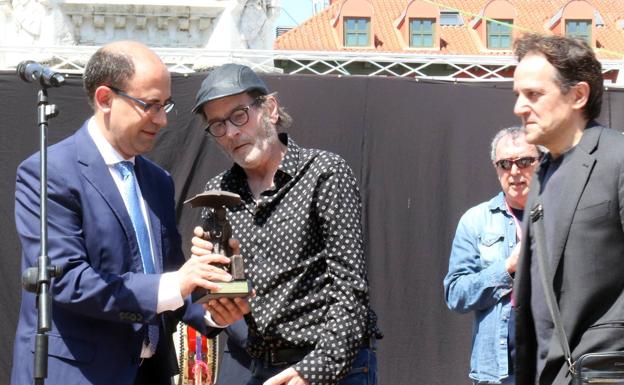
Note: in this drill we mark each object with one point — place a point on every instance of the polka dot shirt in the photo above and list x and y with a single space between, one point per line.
302 247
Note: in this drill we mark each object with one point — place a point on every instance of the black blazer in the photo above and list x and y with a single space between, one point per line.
587 254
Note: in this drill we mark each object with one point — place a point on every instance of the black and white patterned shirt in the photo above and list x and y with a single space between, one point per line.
302 247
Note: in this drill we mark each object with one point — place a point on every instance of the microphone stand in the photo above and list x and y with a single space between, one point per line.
37 279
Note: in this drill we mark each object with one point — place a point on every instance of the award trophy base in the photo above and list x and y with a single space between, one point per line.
233 289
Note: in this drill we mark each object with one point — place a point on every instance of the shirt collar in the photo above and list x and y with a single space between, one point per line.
498 203
108 152
290 162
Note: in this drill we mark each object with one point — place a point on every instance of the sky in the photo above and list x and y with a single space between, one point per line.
294 12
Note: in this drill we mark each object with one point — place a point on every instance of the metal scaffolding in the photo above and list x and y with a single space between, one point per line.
72 59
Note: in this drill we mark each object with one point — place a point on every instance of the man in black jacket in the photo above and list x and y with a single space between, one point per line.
580 185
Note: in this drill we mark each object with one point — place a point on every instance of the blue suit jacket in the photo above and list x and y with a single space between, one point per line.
102 300
234 368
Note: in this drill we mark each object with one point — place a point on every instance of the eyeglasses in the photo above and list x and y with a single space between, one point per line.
524 162
150 108
238 117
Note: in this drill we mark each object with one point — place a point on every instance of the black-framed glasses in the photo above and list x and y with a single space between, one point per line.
150 108
238 117
524 162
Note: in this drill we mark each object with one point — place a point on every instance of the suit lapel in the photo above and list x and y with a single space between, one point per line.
524 263
578 169
153 200
96 172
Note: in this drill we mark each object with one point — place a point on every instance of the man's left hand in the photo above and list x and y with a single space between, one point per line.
225 311
287 377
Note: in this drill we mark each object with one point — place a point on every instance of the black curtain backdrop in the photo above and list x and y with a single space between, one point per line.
421 154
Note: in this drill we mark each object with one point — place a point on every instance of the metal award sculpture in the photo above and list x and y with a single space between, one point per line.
217 230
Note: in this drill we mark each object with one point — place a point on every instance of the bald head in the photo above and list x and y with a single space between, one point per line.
130 48
116 63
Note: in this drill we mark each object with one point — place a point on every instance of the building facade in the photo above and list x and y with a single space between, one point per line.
70 30
464 39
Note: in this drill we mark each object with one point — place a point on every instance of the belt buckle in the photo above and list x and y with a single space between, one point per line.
273 359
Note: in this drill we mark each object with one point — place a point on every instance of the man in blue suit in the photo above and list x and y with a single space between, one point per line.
112 231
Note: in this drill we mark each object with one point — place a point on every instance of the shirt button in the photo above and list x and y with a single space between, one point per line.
510 244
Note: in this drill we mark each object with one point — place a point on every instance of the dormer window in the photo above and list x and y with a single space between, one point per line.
576 20
357 32
418 26
499 34
579 29
450 18
494 25
422 33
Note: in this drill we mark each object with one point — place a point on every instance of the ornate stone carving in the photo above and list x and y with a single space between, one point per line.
205 24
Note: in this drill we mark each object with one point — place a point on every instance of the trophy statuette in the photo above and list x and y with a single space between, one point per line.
219 231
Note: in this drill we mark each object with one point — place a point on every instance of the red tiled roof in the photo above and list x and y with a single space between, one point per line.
316 33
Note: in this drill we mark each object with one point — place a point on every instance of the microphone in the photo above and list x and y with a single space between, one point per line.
30 71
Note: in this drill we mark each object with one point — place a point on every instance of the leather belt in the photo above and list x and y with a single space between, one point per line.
284 356
287 356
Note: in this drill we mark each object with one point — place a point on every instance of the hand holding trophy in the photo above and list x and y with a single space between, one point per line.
217 230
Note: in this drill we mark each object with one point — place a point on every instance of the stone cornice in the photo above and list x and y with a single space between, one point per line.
184 23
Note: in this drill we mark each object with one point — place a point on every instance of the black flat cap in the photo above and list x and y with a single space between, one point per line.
228 79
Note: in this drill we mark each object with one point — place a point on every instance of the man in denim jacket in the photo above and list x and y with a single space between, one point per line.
484 256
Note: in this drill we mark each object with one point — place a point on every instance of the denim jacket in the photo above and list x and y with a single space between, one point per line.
478 281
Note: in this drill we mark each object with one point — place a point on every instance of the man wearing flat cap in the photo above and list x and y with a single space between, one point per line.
300 236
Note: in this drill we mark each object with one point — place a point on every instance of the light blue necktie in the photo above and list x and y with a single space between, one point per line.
126 170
